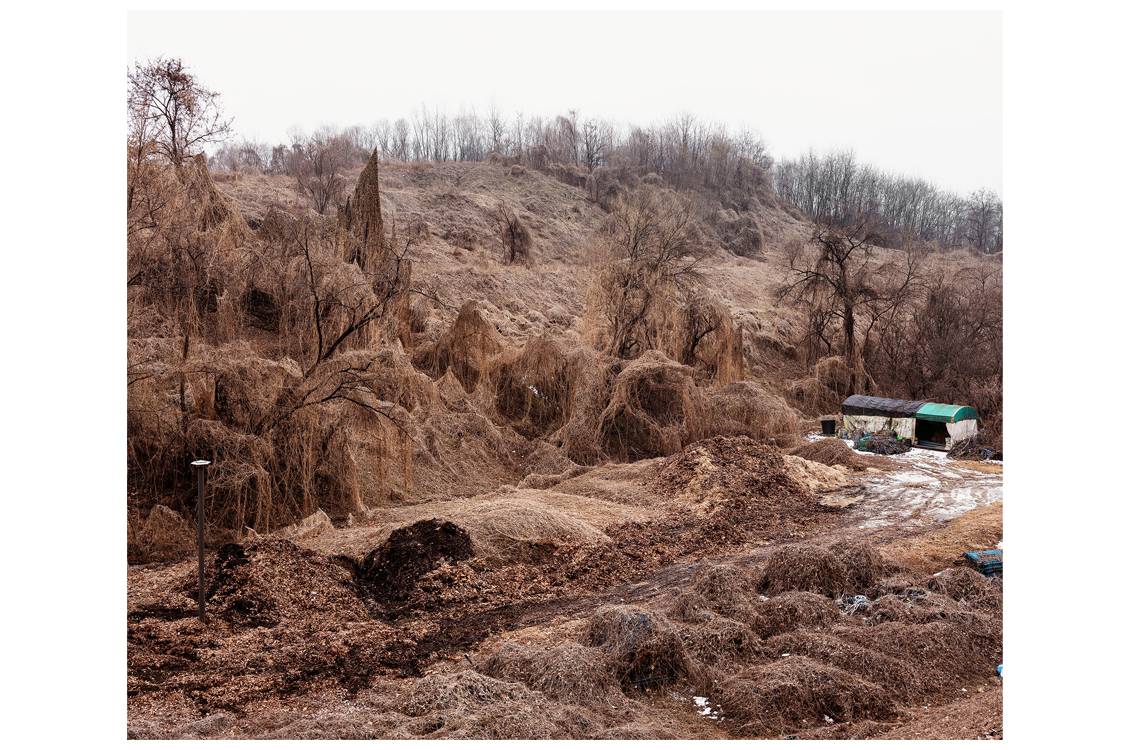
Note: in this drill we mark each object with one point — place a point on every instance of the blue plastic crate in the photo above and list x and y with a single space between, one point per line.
988 562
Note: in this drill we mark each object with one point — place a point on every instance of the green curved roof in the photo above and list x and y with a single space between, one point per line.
945 413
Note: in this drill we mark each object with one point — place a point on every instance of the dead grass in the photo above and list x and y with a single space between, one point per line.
862 564
465 349
936 550
766 700
726 588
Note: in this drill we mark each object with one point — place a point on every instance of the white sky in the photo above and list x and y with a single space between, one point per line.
918 93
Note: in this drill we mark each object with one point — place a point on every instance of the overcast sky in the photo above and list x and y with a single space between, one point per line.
917 93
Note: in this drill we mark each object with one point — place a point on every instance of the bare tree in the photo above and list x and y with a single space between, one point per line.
319 166
655 250
512 232
169 105
834 277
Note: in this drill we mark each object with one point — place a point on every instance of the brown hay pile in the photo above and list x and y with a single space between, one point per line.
946 654
726 587
863 565
781 696
466 348
981 592
513 529
643 646
570 672
897 677
654 410
688 606
792 610
816 476
720 470
720 642
802 567
830 451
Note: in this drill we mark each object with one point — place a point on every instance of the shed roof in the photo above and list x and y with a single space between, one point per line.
873 406
945 413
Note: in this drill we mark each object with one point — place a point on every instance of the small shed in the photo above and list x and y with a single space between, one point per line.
925 424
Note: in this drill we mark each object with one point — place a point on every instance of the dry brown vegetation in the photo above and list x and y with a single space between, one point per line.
518 403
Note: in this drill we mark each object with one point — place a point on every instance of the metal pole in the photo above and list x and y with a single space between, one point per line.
201 471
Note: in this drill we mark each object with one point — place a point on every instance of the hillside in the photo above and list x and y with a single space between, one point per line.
505 452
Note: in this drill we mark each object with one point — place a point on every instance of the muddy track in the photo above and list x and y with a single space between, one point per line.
466 633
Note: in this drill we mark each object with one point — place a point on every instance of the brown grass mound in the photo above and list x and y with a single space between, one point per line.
802 567
569 672
782 696
862 564
643 646
726 587
745 408
793 610
463 691
688 606
981 592
466 348
720 642
946 654
898 678
722 469
655 409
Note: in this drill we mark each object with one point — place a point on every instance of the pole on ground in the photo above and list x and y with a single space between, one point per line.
201 472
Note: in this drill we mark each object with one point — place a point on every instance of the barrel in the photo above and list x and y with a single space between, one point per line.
829 426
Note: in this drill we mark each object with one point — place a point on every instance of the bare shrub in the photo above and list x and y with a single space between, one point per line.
534 388
652 248
512 232
708 338
165 536
655 409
